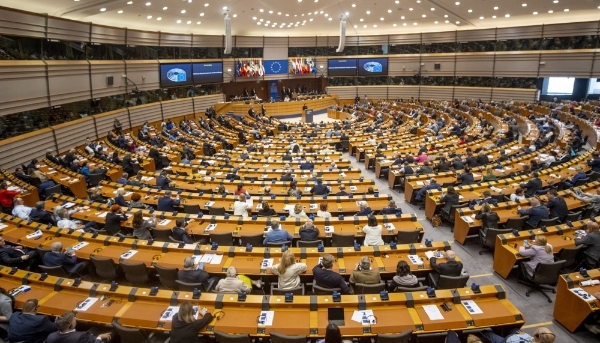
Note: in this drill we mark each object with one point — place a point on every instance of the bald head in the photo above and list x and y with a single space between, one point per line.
534 202
18 201
592 227
543 335
450 255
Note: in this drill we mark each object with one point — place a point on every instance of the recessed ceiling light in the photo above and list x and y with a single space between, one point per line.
261 10
424 16
496 8
414 23
253 18
270 12
321 12
457 3
159 18
182 11
353 5
493 17
330 19
402 17
120 11
261 20
566 10
480 17
404 24
202 14
279 13
470 11
287 15
148 3
555 1
381 18
368 12
129 2
524 5
165 8
375 25
224 7
257 23
206 4
179 21
433 8
365 26
361 19
389 11
394 25
551 11
315 1
347 13
103 9
418 1
435 22
507 15
235 15
268 22
445 16
189 22
326 15
458 22
149 17
535 13
447 21
397 1
310 19
410 9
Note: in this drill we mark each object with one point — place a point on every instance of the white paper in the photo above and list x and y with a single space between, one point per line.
353 188
288 207
101 214
259 206
329 229
216 259
206 258
313 206
34 234
79 245
68 205
129 254
209 204
415 259
86 304
210 227
266 318
390 227
146 178
173 310
363 317
583 294
266 263
3 226
433 312
471 306
429 254
467 219
307 189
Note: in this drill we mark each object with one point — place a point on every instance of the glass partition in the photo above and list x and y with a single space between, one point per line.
476 46
97 51
64 50
404 80
20 48
372 81
303 52
428 48
437 80
171 52
474 81
518 44
515 82
341 81
404 49
568 43
207 53
245 53
370 50
136 52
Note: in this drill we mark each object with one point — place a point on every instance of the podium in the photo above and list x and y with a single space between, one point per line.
307 115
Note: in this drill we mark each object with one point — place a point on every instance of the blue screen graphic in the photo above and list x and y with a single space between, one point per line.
174 75
372 66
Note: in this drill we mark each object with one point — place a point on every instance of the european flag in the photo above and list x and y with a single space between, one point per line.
276 66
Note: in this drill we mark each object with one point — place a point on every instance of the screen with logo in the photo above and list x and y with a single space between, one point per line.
208 72
341 67
173 75
372 66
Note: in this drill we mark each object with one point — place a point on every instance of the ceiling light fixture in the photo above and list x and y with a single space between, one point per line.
414 23
496 8
361 19
535 13
368 12
270 12
389 11
404 24
224 7
261 10
206 4
445 16
330 19
470 11
129 2
555 1
410 9
189 22
481 18
435 22
375 25
433 8
353 5
402 17
182 11
120 11
165 8
279 13
149 17
394 25
524 5
103 9
179 21
159 18
566 10
202 14
148 3
381 18
457 3
447 21
347 14
458 22
507 15
235 15
424 16
493 17
551 11
397 1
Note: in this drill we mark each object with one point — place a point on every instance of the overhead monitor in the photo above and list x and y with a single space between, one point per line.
208 72
372 66
175 75
594 87
558 86
341 67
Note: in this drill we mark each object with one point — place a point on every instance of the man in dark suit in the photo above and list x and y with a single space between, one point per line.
233 175
536 213
443 166
155 155
190 272
471 161
40 215
595 162
557 206
457 164
179 232
45 184
51 157
162 180
56 257
342 191
67 334
324 276
127 164
364 209
166 203
28 326
487 198
466 178
482 159
307 165
450 268
319 188
16 256
534 185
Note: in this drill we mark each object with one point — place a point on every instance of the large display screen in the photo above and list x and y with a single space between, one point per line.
341 67
207 72
594 87
174 75
558 86
372 66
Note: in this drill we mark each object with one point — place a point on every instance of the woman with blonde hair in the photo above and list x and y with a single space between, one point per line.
240 206
539 251
288 271
185 327
298 212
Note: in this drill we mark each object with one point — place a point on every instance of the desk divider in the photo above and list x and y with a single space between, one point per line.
93 289
340 252
131 296
165 247
569 281
303 253
501 292
57 284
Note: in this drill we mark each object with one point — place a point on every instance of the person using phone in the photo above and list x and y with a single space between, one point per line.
363 273
540 335
191 273
67 333
538 252
185 327
67 259
590 198
591 240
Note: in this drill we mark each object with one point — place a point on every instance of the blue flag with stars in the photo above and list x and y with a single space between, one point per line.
276 66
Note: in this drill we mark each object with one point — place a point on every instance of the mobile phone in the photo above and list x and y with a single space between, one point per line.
526 242
201 266
578 192
69 250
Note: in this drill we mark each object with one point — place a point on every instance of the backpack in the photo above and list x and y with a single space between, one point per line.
436 220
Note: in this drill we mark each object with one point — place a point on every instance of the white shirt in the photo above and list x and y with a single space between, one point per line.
372 235
21 211
323 214
514 197
66 224
240 209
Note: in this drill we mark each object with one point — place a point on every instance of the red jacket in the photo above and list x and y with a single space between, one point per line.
6 197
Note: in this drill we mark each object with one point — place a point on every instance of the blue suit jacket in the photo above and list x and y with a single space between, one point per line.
45 185
29 328
491 201
364 212
535 214
167 204
277 236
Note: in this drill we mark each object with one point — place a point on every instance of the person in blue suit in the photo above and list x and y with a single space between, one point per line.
28 326
166 203
56 257
487 198
536 213
276 234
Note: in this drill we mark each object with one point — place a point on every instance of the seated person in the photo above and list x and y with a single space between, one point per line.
319 188
519 194
66 223
342 191
403 277
309 232
20 210
266 210
17 256
66 332
327 278
185 326
233 283
487 198
450 199
179 232
298 212
450 268
166 203
322 212
489 219
391 209
123 180
288 271
591 240
240 206
66 259
276 234
363 273
191 272
579 176
536 212
28 326
364 209
540 335
423 191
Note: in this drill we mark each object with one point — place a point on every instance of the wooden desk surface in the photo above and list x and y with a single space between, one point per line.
75 182
569 309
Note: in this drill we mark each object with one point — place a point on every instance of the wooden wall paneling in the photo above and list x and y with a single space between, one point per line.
108 35
575 63
413 38
105 121
18 23
24 148
302 41
438 37
207 41
103 69
248 41
69 30
74 133
483 93
321 41
403 92
23 85
589 28
350 41
404 65
201 103
143 113
596 69
311 83
373 92
174 39
523 32
276 42
343 92
145 74
179 107
475 35
516 64
237 88
145 38
475 64
373 40
446 62
514 94
69 81
436 93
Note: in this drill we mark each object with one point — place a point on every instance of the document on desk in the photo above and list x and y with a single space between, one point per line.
288 207
210 227
420 183
363 317
353 188
101 214
467 219
35 234
3 226
164 222
266 318
342 174
471 306
216 259
79 245
86 304
209 204
389 227
583 294
173 310
433 312
128 254
415 259
68 205
266 263
307 189
313 206
329 229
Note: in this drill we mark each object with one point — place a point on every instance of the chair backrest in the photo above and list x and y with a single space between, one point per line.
281 338
402 337
407 237
278 245
95 179
448 184
295 291
574 216
130 335
490 238
318 290
105 268
52 190
135 272
340 240
222 238
581 182
363 288
223 337
499 197
58 271
254 240
167 276
516 223
547 273
451 282
548 222
162 234
309 243
569 255
188 287
205 190
216 211
590 261
191 208
136 168
409 289
42 252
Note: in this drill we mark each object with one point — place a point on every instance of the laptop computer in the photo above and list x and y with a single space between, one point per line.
335 316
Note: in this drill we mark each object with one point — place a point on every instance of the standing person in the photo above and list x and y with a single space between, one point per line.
288 271
185 327
6 310
372 232
538 252
28 326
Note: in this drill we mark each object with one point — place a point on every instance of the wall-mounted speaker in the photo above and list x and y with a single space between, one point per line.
109 80
437 66
342 35
227 35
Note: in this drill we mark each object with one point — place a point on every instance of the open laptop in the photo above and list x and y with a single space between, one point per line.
336 316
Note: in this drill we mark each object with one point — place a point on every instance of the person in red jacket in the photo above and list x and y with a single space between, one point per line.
6 197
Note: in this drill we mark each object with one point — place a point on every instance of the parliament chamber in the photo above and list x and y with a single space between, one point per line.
160 185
